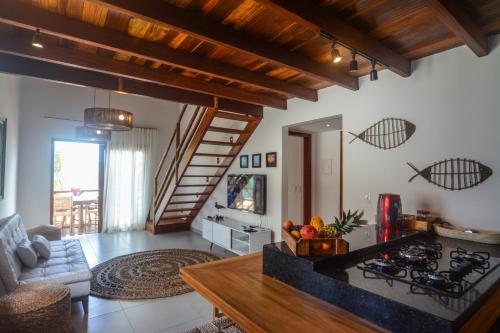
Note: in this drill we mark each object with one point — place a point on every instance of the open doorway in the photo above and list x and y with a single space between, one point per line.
314 174
77 186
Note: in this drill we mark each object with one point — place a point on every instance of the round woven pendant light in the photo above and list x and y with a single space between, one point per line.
108 119
83 132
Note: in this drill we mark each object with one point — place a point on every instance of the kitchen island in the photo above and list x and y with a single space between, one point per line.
259 303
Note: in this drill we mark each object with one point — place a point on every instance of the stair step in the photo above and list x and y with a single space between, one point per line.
220 143
173 222
179 210
183 202
208 166
214 155
188 194
196 185
233 116
225 130
174 217
202 176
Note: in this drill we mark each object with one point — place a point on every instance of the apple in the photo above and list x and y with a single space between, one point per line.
295 234
308 231
288 224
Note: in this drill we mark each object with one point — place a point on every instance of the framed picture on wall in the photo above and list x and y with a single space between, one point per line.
256 160
271 160
243 161
3 147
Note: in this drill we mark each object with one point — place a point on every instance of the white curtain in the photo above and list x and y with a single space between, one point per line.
128 180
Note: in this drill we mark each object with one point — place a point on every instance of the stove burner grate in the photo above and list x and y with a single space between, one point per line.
416 264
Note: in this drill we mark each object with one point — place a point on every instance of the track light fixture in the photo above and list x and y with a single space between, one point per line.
37 39
373 73
336 56
353 66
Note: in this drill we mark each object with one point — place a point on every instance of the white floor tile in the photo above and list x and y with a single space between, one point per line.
185 326
100 306
115 322
158 315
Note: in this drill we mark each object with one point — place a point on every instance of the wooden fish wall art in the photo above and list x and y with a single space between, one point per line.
388 133
454 174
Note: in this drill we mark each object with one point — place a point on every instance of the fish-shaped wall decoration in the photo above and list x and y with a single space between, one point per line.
388 133
454 174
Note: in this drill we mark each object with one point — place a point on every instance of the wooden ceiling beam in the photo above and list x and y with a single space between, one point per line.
461 24
19 43
30 17
12 64
313 16
202 27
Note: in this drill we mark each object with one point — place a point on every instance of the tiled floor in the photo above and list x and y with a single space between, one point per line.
172 315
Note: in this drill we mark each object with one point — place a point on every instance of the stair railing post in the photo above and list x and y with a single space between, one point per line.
177 142
153 208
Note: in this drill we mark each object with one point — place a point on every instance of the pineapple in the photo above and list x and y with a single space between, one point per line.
343 225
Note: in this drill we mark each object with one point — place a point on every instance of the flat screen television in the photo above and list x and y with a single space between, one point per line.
247 193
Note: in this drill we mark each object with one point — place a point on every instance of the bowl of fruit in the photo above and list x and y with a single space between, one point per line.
318 239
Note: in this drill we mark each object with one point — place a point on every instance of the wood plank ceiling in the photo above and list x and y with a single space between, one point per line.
249 53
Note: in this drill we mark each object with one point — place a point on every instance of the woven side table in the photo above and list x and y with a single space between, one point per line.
40 307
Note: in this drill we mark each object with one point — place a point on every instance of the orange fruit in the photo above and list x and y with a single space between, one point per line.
325 246
288 224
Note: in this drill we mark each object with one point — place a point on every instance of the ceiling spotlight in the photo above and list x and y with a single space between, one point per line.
37 39
373 73
336 57
328 125
353 66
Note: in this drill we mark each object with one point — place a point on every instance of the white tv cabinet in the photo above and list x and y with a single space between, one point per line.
229 235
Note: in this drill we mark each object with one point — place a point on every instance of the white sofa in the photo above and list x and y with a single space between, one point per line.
66 264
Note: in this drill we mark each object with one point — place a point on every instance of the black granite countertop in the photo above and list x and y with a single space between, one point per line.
379 295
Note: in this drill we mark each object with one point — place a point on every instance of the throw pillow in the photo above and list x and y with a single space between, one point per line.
41 245
26 253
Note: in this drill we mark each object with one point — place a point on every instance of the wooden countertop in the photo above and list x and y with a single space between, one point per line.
258 303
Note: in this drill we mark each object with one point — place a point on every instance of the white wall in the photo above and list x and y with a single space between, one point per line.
41 98
452 97
9 108
326 178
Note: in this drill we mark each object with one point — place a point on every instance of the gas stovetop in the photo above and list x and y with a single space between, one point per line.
422 266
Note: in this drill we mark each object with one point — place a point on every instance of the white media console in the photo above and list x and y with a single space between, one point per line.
229 234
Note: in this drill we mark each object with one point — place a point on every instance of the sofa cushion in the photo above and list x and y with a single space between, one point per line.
11 233
66 265
27 253
42 246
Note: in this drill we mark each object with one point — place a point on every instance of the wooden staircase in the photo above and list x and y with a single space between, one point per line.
196 159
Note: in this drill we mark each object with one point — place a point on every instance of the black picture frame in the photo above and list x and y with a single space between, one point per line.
271 160
257 160
3 152
243 161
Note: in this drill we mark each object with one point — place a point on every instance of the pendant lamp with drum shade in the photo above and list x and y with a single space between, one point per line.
110 119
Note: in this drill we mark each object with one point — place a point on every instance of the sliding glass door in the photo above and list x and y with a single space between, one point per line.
77 186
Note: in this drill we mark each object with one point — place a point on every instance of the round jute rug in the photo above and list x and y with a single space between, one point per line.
142 275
